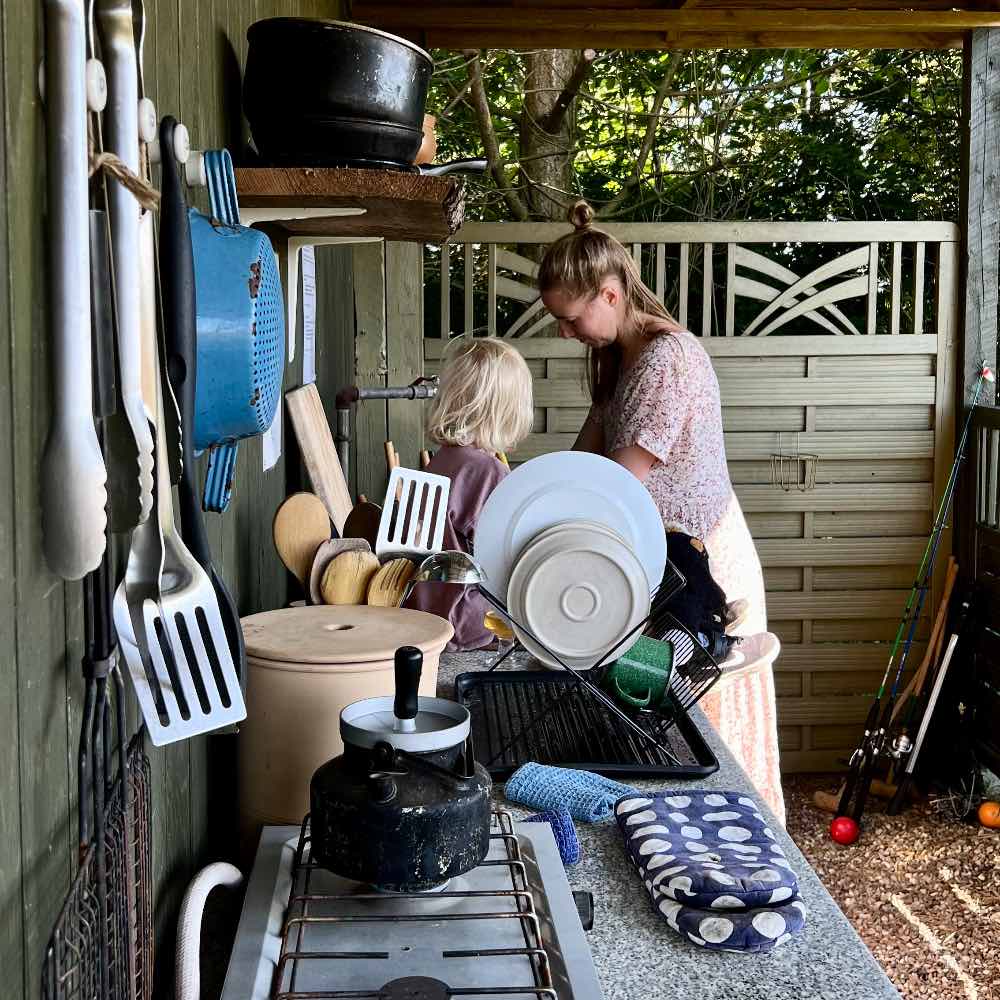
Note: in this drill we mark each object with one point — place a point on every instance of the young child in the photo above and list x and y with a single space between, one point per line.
483 406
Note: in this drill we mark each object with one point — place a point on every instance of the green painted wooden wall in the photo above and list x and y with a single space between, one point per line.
195 49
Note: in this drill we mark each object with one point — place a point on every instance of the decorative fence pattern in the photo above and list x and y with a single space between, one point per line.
833 344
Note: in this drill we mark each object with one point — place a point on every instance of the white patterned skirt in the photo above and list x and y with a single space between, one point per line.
742 707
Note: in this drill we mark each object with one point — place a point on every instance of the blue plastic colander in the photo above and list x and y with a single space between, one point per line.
241 331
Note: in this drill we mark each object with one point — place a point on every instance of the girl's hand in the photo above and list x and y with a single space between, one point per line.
637 460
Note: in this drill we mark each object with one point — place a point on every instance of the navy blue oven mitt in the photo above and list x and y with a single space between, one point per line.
712 868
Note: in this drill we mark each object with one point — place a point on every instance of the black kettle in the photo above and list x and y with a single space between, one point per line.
405 807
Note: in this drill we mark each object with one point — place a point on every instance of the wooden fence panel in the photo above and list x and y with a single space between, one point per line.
839 337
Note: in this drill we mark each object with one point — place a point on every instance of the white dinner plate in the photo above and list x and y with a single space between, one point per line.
577 523
578 590
564 486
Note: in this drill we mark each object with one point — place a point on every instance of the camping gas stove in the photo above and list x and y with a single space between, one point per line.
508 928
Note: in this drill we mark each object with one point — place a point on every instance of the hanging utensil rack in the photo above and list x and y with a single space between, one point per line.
566 718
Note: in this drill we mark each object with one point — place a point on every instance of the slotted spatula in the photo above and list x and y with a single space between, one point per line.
169 622
170 629
413 515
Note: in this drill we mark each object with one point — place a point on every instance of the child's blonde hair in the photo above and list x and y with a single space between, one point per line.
579 263
484 398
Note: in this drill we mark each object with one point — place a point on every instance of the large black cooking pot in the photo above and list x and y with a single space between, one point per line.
334 94
405 807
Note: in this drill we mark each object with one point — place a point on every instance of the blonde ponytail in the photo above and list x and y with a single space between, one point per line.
579 264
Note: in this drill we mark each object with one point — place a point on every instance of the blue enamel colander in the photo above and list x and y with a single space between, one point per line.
241 331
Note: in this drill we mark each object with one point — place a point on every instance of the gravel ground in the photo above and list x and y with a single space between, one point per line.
922 890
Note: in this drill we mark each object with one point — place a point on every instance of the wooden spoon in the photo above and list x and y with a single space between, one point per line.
325 554
363 521
301 524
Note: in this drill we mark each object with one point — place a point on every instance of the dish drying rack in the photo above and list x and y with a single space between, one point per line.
566 718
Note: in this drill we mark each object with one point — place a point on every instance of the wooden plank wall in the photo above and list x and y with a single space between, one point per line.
840 558
388 301
194 52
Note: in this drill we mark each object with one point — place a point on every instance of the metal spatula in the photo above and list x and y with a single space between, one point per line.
168 617
171 630
413 515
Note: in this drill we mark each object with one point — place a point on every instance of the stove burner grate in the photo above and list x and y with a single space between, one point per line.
308 911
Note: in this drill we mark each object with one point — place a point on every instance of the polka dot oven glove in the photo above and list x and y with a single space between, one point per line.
712 868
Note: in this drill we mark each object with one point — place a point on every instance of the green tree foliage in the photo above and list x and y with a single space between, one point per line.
686 136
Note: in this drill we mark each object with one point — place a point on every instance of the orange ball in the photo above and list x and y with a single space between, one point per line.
989 815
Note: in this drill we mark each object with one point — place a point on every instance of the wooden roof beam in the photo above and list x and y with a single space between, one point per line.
801 39
429 16
487 26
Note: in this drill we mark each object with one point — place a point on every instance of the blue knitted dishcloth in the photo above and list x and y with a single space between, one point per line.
563 830
586 796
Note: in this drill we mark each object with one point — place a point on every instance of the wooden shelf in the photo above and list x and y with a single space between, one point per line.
396 206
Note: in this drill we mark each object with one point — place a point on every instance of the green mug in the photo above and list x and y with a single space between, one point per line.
641 677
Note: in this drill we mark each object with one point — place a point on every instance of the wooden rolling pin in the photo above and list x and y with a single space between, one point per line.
829 803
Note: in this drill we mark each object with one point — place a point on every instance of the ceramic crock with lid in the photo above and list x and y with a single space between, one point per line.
303 666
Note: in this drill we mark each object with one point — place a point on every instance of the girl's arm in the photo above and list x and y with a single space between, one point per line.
636 459
591 436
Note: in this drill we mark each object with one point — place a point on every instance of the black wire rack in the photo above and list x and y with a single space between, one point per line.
544 716
101 945
565 717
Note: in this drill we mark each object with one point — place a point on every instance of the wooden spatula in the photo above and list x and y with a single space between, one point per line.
301 525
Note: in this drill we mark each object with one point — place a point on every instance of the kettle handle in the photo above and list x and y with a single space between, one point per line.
409 662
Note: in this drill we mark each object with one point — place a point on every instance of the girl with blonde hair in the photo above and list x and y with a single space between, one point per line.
656 410
483 406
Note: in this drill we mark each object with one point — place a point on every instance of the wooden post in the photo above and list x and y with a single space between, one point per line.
980 211
980 260
371 427
404 337
335 330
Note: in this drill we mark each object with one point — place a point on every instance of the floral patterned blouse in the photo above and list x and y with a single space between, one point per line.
668 403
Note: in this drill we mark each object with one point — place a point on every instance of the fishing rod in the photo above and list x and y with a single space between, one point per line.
898 802
879 718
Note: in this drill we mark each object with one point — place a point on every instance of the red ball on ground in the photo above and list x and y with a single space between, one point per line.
844 830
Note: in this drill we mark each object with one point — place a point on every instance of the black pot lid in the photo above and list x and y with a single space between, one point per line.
439 724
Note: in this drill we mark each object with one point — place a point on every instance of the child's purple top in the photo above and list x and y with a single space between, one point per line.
474 475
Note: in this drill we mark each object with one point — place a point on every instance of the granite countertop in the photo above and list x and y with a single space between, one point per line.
638 957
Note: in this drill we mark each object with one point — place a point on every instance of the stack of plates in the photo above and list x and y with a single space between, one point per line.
575 545
577 588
